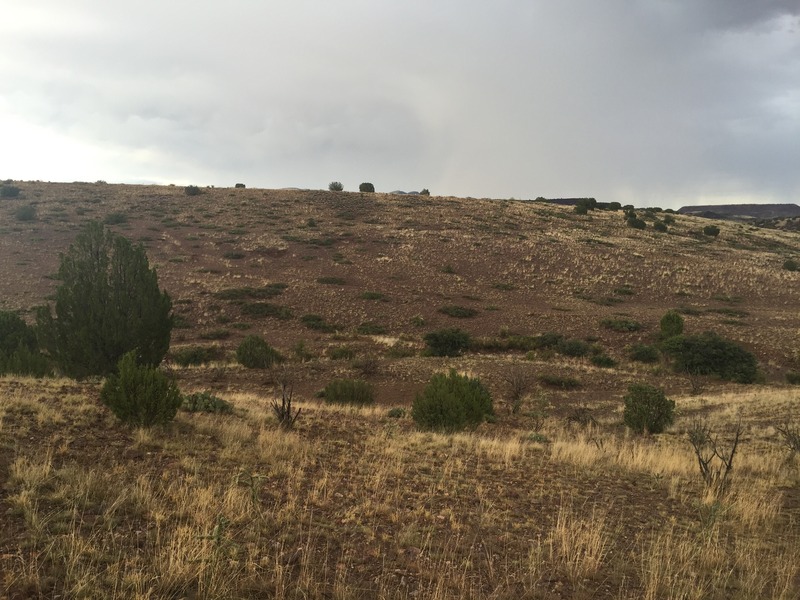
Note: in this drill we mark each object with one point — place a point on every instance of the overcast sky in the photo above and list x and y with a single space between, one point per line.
652 102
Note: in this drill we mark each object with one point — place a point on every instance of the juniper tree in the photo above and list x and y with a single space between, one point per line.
107 305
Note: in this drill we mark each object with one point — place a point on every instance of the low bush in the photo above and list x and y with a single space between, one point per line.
370 328
559 381
349 391
140 395
267 309
647 409
19 349
447 342
790 265
644 353
196 355
191 190
335 186
331 280
660 226
206 402
344 352
620 324
366 187
709 354
603 360
459 312
793 377
711 230
25 213
9 191
255 353
573 348
374 296
636 223
671 324
317 323
452 402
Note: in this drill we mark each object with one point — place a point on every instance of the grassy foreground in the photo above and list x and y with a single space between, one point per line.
354 504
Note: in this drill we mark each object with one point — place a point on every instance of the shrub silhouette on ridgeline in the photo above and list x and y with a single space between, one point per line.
366 187
140 395
451 403
647 409
191 190
335 186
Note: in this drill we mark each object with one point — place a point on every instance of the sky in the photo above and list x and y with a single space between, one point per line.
648 102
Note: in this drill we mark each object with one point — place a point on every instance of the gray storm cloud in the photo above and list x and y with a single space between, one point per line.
653 102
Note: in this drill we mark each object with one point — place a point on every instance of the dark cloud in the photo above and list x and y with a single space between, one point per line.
647 101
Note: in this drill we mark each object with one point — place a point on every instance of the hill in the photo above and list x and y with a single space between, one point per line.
743 211
555 500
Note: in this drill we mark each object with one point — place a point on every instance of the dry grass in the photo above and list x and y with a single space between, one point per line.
354 505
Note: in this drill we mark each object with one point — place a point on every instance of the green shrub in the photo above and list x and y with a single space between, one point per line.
396 413
344 352
115 218
191 190
790 265
19 350
447 342
711 230
425 192
559 381
335 186
107 305
267 309
140 395
709 354
9 191
317 323
671 324
25 213
660 226
451 403
622 325
636 223
573 348
644 353
349 391
793 377
255 353
332 280
603 360
366 187
373 296
196 355
369 328
206 402
268 291
239 186
459 312
648 409
669 220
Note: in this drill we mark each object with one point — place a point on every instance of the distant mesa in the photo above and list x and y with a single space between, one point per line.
742 212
